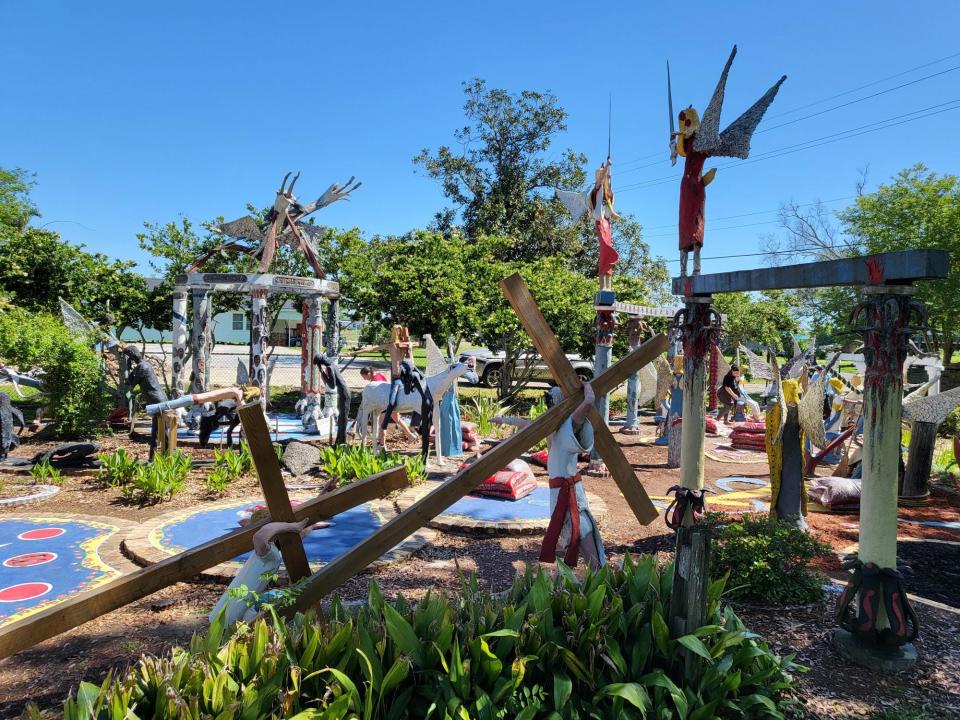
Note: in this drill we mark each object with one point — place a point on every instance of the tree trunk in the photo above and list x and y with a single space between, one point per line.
923 437
947 348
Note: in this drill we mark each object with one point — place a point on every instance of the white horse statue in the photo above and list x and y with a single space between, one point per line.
376 397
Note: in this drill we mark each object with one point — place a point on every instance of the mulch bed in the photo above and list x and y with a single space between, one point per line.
933 569
831 689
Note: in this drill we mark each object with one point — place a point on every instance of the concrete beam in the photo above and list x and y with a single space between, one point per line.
893 268
245 282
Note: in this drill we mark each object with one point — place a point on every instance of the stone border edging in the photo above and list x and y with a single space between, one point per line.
44 492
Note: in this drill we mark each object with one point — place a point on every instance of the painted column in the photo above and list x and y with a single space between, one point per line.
698 325
714 379
200 339
877 624
605 325
333 328
259 340
632 424
180 325
311 383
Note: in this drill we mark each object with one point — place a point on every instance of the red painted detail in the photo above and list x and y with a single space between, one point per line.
24 591
898 611
875 270
30 559
688 287
867 610
41 534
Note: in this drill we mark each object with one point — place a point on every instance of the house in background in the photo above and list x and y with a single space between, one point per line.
233 328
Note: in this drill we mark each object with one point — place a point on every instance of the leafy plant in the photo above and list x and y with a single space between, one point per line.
233 463
344 463
44 472
217 480
767 559
536 410
118 467
161 479
950 427
551 647
481 410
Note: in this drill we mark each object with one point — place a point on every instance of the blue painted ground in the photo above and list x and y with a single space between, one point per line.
283 426
322 545
535 506
48 569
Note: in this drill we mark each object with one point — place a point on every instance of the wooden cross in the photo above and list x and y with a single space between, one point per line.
564 375
267 465
432 504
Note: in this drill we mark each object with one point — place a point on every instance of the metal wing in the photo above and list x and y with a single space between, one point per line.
735 140
708 136
436 363
245 228
576 203
75 322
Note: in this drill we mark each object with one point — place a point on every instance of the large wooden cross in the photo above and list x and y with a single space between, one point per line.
566 377
432 504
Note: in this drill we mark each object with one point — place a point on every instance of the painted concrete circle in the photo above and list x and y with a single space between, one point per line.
475 513
47 533
30 559
24 591
46 560
175 532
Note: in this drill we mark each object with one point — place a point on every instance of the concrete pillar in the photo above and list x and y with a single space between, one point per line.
632 424
259 340
333 327
200 339
311 383
180 325
603 343
699 325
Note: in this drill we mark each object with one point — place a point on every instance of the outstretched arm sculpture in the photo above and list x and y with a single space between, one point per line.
332 378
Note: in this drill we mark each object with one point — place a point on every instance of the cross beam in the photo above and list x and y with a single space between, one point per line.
429 506
892 268
563 373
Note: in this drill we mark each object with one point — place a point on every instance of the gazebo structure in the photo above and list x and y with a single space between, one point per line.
193 341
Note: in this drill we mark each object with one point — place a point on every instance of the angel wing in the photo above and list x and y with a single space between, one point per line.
780 400
735 140
759 368
576 203
75 322
436 363
245 228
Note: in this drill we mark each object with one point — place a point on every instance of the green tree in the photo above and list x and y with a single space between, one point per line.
769 318
917 209
501 183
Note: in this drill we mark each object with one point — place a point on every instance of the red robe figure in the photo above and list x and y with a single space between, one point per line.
598 201
696 141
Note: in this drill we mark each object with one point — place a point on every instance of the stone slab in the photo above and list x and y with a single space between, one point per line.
878 660
893 268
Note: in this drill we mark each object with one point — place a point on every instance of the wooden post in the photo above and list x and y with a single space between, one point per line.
274 491
428 507
167 432
688 599
697 339
86 606
915 488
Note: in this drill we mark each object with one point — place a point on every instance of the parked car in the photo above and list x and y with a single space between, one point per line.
490 366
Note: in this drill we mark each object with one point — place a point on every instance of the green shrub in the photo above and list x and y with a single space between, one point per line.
767 559
552 647
217 480
118 468
481 410
345 463
234 464
950 427
46 473
161 479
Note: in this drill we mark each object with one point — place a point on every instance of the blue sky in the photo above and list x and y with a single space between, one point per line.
133 112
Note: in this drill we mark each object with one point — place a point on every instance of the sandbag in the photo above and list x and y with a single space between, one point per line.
539 457
835 493
751 427
710 425
507 485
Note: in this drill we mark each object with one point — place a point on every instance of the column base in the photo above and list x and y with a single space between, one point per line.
878 659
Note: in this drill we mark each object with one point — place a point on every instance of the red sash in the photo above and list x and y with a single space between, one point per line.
566 505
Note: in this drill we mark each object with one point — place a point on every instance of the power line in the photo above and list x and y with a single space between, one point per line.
758 212
815 142
797 251
858 100
863 87
818 102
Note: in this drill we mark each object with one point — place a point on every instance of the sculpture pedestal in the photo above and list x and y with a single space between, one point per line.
878 659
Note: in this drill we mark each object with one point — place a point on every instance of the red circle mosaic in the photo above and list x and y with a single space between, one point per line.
24 591
41 533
